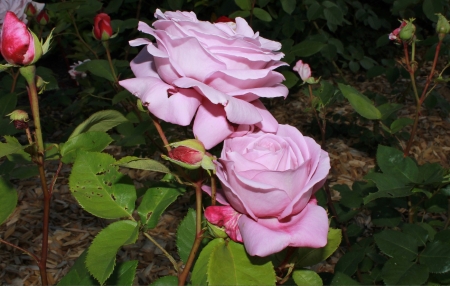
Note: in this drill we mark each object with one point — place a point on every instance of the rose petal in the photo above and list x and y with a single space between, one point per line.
309 228
227 217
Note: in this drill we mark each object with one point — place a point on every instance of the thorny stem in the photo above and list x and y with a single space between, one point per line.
160 132
29 73
80 37
198 234
170 257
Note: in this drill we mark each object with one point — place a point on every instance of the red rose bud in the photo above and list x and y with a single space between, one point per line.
19 46
102 27
224 19
407 32
30 10
187 155
43 18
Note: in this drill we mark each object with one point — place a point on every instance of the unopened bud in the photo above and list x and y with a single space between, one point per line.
30 10
43 18
19 118
407 32
40 84
216 231
442 26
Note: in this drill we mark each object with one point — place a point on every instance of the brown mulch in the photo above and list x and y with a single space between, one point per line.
72 229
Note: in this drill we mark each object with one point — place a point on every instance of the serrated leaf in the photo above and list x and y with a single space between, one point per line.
391 161
99 68
399 271
436 256
349 198
389 186
121 95
314 11
307 48
155 201
341 279
400 123
8 199
89 141
291 78
288 5
396 244
78 274
306 277
348 263
142 164
100 121
262 14
167 281
360 102
8 103
123 273
230 264
100 188
325 92
10 147
186 235
311 256
418 232
199 273
101 257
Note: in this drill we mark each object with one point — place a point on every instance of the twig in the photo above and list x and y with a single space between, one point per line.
170 257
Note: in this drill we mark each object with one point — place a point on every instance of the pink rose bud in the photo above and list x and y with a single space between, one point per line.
19 118
187 155
407 31
19 46
394 35
304 71
226 217
43 18
102 27
224 19
30 10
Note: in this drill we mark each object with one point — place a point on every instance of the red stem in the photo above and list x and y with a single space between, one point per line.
430 76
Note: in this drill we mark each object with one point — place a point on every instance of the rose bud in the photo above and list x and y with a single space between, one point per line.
394 35
224 19
102 27
442 26
303 69
19 45
190 154
40 84
30 10
43 18
407 32
19 118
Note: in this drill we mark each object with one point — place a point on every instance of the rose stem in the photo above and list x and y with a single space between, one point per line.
80 37
29 73
198 234
213 189
166 254
160 132
321 126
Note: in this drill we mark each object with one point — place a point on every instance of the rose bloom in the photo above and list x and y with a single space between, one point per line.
215 72
74 73
303 69
18 7
268 186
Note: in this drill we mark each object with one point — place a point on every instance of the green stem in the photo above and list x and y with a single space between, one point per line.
322 129
213 189
29 73
15 76
111 66
198 236
80 37
172 260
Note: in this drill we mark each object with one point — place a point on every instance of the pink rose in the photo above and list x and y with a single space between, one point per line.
268 185
304 71
19 46
215 72
19 7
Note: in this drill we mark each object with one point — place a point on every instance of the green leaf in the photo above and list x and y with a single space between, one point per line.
155 201
396 244
431 173
306 277
325 92
310 256
120 96
360 102
400 123
113 6
78 274
199 273
389 186
100 121
100 188
230 264
99 68
431 8
389 108
385 216
291 78
244 4
8 103
24 172
186 235
123 273
349 198
419 234
11 147
314 11
348 263
399 271
307 48
436 256
242 14
89 141
8 199
167 281
288 5
101 257
142 164
340 279
262 15
391 161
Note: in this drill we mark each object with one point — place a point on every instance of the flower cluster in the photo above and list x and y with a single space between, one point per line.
214 74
